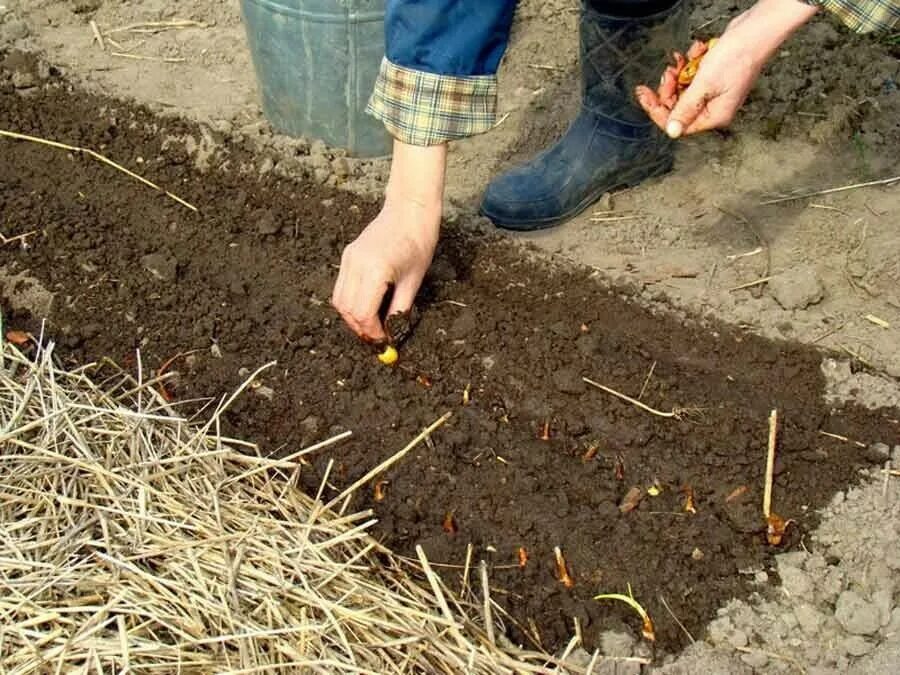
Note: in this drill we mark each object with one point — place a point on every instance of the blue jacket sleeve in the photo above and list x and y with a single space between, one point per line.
448 37
438 79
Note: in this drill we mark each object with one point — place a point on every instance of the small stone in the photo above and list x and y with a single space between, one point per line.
797 288
265 392
341 167
892 630
321 176
310 426
162 266
568 381
808 617
738 639
883 599
266 167
268 224
465 325
755 659
879 452
795 582
857 616
761 577
23 80
14 30
614 643
856 645
720 630
697 554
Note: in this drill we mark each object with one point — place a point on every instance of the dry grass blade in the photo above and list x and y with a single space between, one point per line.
96 155
675 413
842 188
133 542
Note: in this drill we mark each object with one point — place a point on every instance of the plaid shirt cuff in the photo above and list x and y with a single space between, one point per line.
863 16
421 108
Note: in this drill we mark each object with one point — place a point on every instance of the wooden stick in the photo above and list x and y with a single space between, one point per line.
871 183
97 156
98 36
486 592
750 284
142 57
770 463
390 461
464 587
676 413
858 444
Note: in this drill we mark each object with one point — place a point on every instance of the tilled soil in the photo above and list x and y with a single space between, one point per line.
246 281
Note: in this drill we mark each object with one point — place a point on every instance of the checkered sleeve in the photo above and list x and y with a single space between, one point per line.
421 108
863 16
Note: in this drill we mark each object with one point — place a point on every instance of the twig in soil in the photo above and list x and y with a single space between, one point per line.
464 585
829 332
857 355
98 157
675 413
546 66
646 381
887 479
748 254
486 592
891 472
615 219
157 26
390 461
143 57
19 237
858 444
675 618
871 183
770 463
750 284
878 321
453 626
98 36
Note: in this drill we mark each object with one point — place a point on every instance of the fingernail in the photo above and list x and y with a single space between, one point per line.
674 128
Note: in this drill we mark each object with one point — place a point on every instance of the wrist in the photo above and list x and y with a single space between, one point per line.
767 25
418 175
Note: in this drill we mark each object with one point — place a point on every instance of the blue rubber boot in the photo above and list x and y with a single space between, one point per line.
612 143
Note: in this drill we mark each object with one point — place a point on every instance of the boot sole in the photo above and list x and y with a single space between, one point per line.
636 178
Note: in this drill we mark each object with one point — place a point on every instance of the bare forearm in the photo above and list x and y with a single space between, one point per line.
418 174
767 24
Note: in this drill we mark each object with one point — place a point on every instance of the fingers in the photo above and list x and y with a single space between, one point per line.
668 88
404 295
650 101
698 49
357 297
688 110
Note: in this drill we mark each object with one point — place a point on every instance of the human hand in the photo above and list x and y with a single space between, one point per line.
395 250
726 73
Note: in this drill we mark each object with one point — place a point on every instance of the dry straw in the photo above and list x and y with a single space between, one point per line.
132 540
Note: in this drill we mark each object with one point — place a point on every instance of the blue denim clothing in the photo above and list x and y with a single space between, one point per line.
448 37
438 78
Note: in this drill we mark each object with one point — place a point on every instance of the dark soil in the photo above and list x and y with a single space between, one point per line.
252 274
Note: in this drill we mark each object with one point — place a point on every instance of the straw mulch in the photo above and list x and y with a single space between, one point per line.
134 541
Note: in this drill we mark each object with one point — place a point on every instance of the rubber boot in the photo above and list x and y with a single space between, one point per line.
612 143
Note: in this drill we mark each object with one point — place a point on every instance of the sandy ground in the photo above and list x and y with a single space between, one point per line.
824 115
